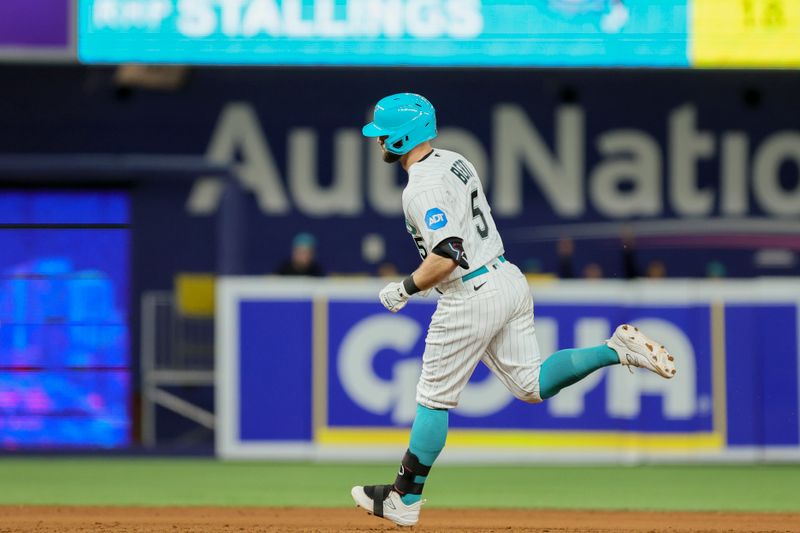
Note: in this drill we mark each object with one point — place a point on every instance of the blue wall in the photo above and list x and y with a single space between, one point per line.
736 386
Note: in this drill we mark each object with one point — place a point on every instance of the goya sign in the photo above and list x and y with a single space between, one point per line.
344 372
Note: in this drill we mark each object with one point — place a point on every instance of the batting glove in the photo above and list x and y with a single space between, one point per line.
394 297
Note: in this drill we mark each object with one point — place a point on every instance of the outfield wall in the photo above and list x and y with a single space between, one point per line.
317 369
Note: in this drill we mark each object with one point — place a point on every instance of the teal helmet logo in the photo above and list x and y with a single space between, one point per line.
406 119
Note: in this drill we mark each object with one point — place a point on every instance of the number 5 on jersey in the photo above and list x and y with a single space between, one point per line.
482 227
423 253
418 240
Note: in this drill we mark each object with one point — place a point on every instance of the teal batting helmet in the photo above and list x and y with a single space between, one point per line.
406 119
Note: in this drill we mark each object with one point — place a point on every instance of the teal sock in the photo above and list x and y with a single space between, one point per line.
566 367
428 435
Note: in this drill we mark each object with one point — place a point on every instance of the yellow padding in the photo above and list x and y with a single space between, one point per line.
559 440
194 294
541 277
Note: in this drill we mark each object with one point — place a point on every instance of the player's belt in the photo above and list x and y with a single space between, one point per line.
481 271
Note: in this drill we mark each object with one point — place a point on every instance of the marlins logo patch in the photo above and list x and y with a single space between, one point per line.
435 218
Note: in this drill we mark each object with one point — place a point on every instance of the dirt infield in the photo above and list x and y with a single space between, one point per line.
230 519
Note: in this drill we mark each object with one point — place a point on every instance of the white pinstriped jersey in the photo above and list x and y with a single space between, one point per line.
444 198
488 318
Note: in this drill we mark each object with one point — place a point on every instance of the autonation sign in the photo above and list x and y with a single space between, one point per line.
385 32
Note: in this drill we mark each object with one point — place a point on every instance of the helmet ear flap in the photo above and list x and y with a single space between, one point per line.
396 143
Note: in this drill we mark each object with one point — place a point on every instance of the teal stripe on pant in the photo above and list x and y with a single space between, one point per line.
567 367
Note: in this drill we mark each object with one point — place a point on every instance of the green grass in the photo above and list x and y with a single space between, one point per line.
83 481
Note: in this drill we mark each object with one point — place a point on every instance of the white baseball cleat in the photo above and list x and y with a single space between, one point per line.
635 349
382 501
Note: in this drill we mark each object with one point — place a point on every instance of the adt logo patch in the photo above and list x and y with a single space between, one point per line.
435 218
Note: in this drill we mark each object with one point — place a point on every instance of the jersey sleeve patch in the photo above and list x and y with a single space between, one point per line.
435 219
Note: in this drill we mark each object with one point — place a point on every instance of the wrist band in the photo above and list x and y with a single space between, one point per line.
410 286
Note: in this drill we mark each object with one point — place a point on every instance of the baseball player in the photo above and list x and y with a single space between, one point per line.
485 312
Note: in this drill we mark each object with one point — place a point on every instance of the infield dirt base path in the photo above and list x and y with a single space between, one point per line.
232 519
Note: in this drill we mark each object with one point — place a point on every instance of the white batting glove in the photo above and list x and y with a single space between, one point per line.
394 296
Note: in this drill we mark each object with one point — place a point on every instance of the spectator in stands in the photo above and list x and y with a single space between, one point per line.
387 270
656 270
629 268
566 251
593 271
716 270
531 265
303 260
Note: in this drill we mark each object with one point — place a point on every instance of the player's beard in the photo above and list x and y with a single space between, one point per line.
389 157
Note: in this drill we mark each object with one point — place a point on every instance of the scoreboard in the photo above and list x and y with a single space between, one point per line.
443 33
64 346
